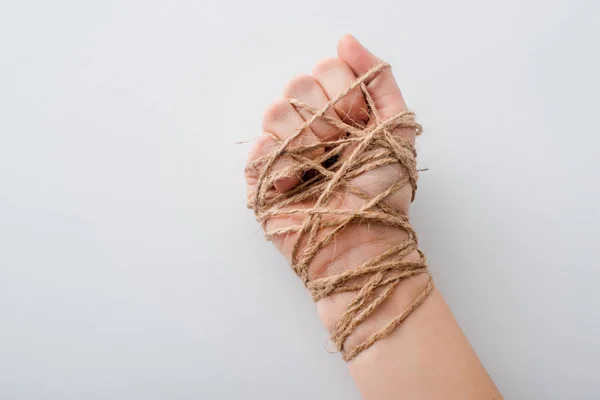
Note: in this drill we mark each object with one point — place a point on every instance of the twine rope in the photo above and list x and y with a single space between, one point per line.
369 147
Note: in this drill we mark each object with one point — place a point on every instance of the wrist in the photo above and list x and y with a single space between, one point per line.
332 308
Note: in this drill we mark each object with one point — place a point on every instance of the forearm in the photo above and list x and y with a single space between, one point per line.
426 357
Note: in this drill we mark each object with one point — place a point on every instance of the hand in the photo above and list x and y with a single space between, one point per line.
281 120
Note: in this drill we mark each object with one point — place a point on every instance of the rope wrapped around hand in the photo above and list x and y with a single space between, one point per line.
363 149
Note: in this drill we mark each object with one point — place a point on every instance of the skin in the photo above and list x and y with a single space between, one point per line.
428 356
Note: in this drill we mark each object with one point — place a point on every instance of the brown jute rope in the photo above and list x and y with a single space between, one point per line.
369 148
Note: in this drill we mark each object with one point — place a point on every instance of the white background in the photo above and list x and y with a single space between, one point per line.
130 268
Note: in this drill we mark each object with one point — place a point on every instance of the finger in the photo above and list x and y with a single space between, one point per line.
383 88
262 147
283 121
306 89
335 76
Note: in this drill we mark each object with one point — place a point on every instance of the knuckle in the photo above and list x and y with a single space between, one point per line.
264 145
277 111
326 65
300 84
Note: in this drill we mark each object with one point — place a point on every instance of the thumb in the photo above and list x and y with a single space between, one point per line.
383 89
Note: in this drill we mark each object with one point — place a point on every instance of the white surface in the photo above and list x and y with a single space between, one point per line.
130 268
